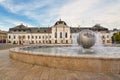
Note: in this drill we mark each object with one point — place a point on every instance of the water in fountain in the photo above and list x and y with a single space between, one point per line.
97 50
98 42
74 39
77 51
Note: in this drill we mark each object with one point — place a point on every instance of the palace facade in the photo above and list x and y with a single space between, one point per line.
3 36
59 33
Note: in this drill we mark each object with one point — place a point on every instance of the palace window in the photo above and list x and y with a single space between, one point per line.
14 42
39 41
14 37
66 35
23 36
66 41
28 37
36 37
32 37
9 37
103 37
60 34
55 41
50 41
55 35
45 31
39 37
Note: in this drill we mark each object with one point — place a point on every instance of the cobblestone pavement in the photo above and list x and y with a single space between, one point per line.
7 46
15 70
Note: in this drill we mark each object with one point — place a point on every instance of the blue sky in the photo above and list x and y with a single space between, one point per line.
44 13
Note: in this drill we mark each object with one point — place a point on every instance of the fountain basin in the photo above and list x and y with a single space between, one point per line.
87 63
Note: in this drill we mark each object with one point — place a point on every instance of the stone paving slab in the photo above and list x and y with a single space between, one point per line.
14 70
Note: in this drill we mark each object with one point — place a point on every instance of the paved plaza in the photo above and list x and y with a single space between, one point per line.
14 70
7 46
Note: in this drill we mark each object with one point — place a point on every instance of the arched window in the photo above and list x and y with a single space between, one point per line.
66 41
50 41
23 36
66 35
14 37
55 35
14 42
36 37
60 34
28 37
103 36
55 41
39 41
32 37
9 36
39 37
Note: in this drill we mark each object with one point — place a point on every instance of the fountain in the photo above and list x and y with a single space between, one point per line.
86 38
95 59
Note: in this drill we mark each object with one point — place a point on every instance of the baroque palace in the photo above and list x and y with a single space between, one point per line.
59 33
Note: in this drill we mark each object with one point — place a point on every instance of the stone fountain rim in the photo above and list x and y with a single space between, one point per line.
17 49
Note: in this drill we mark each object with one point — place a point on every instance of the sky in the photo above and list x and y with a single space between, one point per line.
44 13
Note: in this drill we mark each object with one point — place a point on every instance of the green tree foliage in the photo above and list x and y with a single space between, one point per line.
116 37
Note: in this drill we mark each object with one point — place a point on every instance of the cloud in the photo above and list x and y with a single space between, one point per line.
73 11
35 10
88 13
108 15
17 22
24 6
9 23
78 12
1 1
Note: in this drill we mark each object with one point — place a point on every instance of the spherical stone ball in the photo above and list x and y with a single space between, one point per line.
86 38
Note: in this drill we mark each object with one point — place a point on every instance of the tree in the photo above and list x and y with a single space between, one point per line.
116 37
